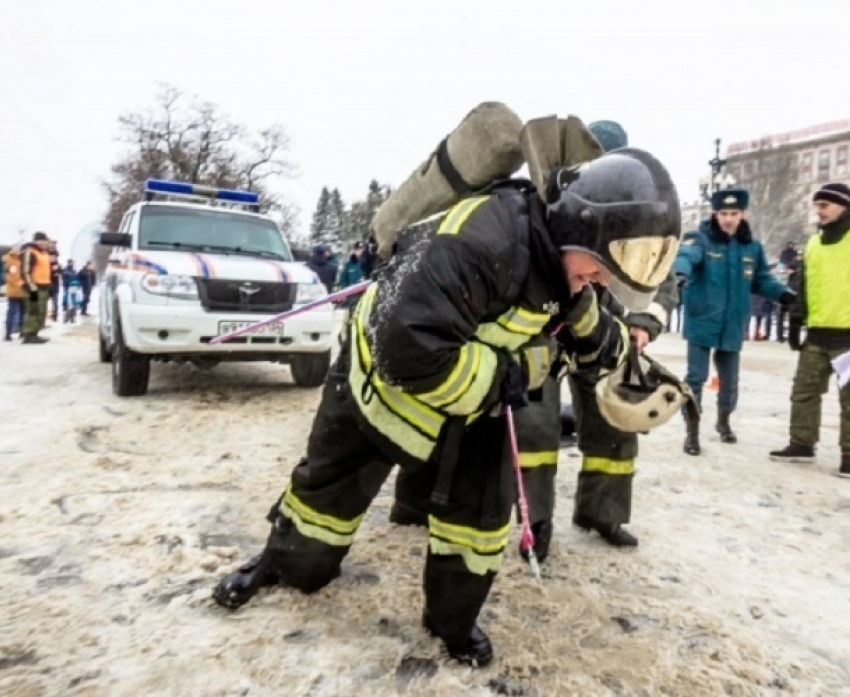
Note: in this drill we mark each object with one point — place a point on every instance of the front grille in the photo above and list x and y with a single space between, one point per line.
221 295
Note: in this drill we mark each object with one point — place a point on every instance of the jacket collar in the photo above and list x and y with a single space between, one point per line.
744 234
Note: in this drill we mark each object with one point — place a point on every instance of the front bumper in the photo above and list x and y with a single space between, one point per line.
160 330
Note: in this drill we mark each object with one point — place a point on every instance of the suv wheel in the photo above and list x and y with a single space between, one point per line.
310 369
104 353
130 370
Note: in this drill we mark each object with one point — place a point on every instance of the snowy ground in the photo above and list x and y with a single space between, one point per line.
117 516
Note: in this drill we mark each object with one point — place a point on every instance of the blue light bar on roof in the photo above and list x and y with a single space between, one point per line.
163 186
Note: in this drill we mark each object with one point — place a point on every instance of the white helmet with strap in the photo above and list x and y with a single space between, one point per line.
642 394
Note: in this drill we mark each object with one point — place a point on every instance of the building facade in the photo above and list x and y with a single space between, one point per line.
782 172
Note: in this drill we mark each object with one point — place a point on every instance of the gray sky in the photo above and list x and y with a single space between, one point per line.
366 89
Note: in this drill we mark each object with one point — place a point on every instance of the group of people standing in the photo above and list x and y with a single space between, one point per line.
34 280
721 265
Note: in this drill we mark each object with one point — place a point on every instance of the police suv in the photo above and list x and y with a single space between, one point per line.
196 263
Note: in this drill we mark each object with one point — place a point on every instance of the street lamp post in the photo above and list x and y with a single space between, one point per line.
717 180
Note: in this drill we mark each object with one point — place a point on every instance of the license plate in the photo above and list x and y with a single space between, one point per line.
227 327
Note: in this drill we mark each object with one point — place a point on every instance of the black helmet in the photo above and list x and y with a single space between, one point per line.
623 209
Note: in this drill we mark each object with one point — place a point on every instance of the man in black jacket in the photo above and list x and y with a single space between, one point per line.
459 325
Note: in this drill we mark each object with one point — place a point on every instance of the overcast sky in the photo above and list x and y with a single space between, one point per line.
366 89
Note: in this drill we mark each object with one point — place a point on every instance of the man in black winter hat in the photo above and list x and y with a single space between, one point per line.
822 307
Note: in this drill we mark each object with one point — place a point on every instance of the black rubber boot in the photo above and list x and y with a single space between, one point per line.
612 533
476 650
237 588
453 598
692 446
727 435
542 531
33 339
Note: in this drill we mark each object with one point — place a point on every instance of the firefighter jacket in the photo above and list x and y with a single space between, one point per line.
455 311
35 267
722 272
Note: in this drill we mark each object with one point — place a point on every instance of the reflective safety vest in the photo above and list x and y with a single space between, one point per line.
827 278
413 422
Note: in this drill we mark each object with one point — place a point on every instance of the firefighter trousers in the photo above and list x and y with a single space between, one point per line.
332 487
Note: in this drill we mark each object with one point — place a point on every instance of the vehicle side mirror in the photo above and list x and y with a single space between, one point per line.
116 239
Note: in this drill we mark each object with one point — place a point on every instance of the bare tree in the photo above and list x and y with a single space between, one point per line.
777 208
189 140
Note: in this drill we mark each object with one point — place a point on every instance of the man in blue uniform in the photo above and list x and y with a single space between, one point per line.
721 264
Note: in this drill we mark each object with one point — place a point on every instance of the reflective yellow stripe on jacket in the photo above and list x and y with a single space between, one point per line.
400 417
513 329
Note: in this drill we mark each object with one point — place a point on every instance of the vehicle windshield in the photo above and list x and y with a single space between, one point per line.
216 231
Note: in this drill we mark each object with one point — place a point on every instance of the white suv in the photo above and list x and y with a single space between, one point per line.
200 264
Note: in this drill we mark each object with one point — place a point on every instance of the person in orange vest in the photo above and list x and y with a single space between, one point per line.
35 270
14 292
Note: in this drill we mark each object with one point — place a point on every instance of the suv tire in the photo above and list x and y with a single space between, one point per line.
104 353
310 369
130 370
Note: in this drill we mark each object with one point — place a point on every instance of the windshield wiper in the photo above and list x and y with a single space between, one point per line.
179 245
261 252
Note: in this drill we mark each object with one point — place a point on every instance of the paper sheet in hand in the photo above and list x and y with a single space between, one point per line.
841 365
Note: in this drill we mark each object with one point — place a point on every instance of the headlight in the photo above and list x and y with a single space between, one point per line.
308 292
174 286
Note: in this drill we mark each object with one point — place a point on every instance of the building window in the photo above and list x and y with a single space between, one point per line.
823 164
841 160
806 166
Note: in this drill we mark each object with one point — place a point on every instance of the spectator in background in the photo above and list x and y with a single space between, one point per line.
722 264
761 310
369 257
823 308
69 273
323 266
55 281
789 254
36 272
793 282
14 292
88 279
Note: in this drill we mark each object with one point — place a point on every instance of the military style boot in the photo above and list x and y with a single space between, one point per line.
727 435
402 514
844 467
692 446
612 533
542 531
33 339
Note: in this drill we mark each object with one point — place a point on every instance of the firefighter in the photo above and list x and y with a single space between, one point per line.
458 325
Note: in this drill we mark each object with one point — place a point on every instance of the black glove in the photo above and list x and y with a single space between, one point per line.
794 329
513 388
681 281
33 296
787 299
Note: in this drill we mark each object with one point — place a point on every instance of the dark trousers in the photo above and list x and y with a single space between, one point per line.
84 308
781 319
726 363
604 491
332 487
34 311
811 382
14 315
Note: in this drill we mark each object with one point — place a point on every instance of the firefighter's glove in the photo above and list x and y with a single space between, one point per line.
513 388
582 314
535 359
33 296
794 331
